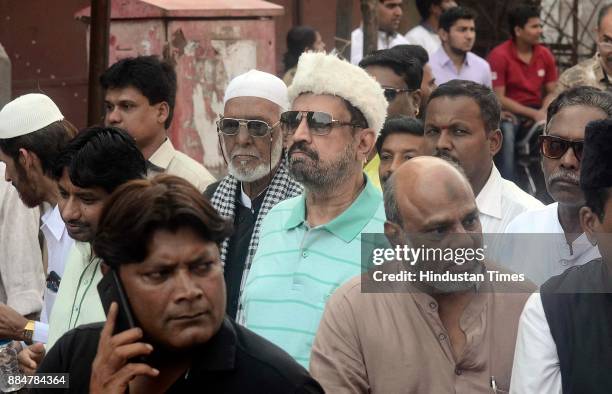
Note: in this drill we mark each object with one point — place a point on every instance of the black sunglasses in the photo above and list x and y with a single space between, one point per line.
255 128
391 93
555 147
319 123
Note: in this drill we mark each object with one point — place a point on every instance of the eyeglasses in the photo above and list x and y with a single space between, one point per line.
555 147
605 45
255 128
319 123
391 93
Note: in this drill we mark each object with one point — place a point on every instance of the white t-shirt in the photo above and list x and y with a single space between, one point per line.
429 40
385 41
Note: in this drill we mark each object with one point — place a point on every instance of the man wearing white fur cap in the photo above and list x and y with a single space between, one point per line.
311 244
252 143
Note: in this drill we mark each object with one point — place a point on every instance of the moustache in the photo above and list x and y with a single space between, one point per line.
446 156
301 147
565 176
237 152
76 223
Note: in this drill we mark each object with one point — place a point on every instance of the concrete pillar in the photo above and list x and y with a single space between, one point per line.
5 77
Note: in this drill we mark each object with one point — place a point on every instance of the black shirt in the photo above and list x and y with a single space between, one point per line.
238 245
235 360
578 309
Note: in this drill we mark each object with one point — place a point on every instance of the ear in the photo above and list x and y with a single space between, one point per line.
365 143
392 232
589 223
517 31
443 35
28 160
417 97
495 141
163 112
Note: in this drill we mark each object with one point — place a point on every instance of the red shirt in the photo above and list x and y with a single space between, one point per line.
523 82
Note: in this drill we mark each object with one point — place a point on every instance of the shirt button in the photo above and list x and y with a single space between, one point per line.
442 337
564 262
305 254
433 305
458 371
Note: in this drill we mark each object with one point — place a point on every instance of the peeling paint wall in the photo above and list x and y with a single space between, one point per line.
207 54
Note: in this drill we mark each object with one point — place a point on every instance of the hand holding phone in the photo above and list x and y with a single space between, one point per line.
111 290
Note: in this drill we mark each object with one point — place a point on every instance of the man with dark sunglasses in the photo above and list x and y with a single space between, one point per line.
252 143
561 149
563 343
311 244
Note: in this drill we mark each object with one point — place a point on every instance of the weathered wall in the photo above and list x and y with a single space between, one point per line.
5 77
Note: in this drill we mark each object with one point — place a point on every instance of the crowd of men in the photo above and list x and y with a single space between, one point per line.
263 281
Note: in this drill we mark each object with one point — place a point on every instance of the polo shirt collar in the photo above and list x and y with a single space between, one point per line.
219 353
349 223
489 200
163 155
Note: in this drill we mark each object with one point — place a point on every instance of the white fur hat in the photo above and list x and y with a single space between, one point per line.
255 83
319 73
27 114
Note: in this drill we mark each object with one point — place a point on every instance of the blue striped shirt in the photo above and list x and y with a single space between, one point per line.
296 268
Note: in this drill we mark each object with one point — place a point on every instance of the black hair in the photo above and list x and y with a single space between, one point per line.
46 143
298 39
603 11
452 15
399 125
596 200
401 60
587 96
139 208
153 78
520 15
490 110
103 157
424 7
357 116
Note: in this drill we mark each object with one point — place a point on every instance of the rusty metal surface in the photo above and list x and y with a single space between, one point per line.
148 9
98 58
207 54
48 52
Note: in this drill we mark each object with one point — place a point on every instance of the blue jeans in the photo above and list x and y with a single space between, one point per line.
505 157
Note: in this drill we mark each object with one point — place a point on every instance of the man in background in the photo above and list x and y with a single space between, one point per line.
426 33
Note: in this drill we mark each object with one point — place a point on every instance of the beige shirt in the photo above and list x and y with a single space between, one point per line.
586 73
168 160
21 270
394 342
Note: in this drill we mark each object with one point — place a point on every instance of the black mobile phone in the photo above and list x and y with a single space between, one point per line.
110 289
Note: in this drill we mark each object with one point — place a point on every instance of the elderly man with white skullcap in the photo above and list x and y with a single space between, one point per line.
311 244
32 133
252 144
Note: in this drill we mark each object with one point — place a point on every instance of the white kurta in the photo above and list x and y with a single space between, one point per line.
385 41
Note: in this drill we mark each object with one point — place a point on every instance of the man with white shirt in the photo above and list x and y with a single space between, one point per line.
462 125
565 331
561 148
454 59
140 94
32 133
389 13
426 33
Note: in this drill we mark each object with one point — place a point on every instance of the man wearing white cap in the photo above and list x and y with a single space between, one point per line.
32 133
258 179
311 244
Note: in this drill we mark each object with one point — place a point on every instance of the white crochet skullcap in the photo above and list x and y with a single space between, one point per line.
27 114
255 83
319 73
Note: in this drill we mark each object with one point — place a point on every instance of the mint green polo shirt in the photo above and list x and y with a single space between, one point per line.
296 268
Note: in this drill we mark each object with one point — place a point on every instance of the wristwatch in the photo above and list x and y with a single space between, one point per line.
28 332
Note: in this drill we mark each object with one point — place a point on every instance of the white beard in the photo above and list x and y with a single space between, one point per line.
261 170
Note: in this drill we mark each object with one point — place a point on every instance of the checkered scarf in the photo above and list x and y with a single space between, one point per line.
282 187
